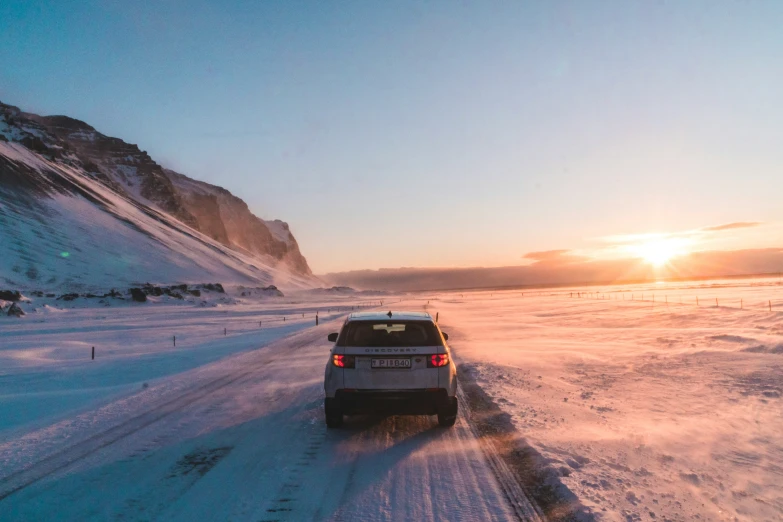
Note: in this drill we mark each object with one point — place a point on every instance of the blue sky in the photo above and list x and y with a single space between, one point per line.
431 133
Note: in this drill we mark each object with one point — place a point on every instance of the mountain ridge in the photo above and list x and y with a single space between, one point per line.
44 159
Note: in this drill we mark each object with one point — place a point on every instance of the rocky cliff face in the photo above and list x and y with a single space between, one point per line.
55 164
125 169
226 218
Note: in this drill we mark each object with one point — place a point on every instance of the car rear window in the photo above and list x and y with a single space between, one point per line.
390 333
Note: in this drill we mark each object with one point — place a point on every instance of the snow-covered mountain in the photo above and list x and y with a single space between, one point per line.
81 210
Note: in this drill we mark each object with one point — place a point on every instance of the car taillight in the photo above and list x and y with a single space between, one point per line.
344 361
438 360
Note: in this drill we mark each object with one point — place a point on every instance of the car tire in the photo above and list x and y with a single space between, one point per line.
447 415
333 413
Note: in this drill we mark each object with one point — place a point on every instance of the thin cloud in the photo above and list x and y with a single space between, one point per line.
553 257
651 236
695 233
731 226
545 255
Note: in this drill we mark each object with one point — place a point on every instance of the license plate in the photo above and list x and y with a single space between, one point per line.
390 363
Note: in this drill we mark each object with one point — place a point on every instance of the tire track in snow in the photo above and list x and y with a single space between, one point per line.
83 449
67 457
408 468
523 506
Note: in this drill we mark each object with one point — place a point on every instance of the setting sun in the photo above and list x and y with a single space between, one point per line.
658 252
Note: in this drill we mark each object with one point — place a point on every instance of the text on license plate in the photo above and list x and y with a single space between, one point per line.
390 363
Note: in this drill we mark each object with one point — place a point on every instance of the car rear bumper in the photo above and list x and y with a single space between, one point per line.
399 402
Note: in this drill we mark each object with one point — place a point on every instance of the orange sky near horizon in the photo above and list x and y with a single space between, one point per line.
658 248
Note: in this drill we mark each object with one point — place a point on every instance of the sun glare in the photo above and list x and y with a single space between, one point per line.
658 252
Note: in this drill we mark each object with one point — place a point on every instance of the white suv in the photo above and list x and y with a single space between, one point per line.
395 362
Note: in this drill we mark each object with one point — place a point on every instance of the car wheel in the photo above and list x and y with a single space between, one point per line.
447 415
334 415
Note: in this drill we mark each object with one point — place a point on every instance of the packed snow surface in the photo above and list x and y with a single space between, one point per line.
149 431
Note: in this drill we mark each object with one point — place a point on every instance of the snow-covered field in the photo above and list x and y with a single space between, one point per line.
645 410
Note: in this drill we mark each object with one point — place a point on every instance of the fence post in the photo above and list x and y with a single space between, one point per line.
436 316
93 353
175 341
316 319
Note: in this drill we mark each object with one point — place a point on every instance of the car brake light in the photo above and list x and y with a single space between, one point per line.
344 361
438 360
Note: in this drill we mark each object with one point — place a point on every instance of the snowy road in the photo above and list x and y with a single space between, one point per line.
244 439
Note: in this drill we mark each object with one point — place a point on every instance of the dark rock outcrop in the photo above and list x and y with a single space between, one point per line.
267 291
8 295
154 291
15 311
176 291
138 295
272 290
